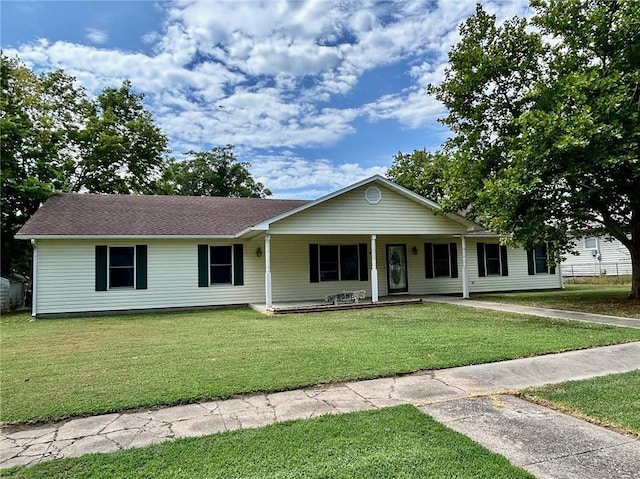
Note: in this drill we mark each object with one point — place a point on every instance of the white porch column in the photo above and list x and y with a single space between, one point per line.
374 271
34 281
465 273
267 273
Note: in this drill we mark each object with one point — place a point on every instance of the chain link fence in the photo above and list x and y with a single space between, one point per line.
596 268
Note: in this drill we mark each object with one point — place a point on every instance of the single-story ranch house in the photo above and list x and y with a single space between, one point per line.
98 253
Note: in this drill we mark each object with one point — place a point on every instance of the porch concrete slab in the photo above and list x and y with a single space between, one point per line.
86 426
545 442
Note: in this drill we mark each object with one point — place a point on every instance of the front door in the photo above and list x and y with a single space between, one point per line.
397 268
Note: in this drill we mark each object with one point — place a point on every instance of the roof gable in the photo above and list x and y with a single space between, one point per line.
375 180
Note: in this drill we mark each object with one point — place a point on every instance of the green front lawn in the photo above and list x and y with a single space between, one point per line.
393 442
610 400
52 369
608 299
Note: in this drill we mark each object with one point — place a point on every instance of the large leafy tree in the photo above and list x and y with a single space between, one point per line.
216 172
545 115
54 138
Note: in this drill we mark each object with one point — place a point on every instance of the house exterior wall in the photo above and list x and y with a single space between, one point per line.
66 273
66 277
350 213
612 258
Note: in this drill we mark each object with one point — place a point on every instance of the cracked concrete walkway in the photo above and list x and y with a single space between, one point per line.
445 394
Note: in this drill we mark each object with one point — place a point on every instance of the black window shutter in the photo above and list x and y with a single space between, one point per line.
428 260
101 268
481 267
453 253
530 264
503 260
364 264
141 266
203 265
314 274
238 264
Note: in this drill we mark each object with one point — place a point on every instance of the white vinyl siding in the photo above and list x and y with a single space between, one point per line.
352 214
611 258
66 277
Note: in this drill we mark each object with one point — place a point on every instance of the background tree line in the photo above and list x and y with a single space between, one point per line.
545 121
55 138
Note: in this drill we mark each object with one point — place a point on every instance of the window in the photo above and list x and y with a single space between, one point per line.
492 259
221 265
441 260
121 267
537 260
338 262
590 243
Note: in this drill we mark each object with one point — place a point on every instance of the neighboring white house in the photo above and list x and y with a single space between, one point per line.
598 256
120 253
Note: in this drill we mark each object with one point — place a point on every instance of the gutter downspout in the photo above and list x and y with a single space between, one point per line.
34 281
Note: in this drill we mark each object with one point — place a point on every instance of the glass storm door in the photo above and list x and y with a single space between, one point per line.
397 268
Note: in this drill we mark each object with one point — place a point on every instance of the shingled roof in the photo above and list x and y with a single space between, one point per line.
137 215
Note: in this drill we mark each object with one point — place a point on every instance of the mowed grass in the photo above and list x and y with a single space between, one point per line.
52 369
393 442
610 299
612 400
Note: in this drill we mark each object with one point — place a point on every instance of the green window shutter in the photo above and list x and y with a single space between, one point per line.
141 266
453 255
101 268
531 268
428 260
364 264
203 265
503 260
238 264
481 266
314 272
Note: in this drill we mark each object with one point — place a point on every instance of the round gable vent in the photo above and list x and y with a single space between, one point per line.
373 195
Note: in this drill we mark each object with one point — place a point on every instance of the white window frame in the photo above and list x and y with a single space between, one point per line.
109 267
589 248
339 245
211 265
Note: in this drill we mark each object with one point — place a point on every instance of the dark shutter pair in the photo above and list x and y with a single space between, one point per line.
504 265
102 267
314 262
203 265
428 260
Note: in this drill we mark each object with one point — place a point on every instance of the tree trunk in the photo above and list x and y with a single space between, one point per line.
635 268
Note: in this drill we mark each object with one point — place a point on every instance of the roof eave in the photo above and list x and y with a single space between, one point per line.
117 237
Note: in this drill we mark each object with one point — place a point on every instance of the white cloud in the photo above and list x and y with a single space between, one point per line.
96 36
265 73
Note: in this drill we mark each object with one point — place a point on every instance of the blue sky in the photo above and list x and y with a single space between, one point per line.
316 95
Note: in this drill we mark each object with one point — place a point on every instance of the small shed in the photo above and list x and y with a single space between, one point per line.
13 288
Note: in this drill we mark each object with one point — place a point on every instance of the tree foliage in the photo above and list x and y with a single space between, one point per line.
55 138
545 116
212 173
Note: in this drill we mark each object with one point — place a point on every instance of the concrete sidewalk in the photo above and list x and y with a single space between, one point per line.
547 443
544 312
